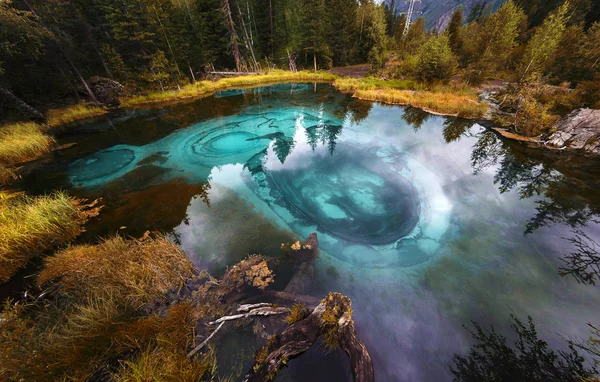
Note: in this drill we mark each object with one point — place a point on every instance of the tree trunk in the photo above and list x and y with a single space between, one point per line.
271 38
8 98
231 25
162 28
248 40
192 73
315 59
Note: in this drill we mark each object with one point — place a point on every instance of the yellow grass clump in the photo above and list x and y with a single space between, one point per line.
205 88
446 103
139 270
161 365
22 142
31 225
74 113
297 312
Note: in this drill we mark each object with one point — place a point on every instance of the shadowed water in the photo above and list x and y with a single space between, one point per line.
427 223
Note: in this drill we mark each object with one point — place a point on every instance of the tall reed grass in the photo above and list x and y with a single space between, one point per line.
23 141
31 225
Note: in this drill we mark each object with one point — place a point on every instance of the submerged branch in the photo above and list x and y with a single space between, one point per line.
197 348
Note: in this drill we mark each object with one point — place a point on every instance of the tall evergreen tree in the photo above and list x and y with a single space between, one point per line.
313 34
454 29
342 30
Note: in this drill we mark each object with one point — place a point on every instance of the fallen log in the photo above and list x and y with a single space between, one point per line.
233 73
332 320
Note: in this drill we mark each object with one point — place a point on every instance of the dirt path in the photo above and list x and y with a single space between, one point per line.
354 71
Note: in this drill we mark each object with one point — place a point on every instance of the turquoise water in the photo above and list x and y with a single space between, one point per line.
426 222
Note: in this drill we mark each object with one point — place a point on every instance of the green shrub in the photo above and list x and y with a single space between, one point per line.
435 60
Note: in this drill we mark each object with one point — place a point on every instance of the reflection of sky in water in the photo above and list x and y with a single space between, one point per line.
420 243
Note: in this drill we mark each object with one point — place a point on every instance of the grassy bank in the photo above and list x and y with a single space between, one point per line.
461 105
19 143
22 142
205 88
103 318
446 100
74 113
31 225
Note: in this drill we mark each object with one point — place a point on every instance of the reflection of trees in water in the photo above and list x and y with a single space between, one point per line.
283 147
357 110
573 200
529 359
571 194
454 128
584 262
325 134
415 117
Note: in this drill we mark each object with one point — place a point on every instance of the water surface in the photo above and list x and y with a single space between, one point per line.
426 222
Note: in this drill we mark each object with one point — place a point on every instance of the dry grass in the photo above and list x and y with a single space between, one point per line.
160 365
205 88
370 83
97 318
73 341
440 99
22 142
297 312
7 176
138 270
31 225
446 103
71 114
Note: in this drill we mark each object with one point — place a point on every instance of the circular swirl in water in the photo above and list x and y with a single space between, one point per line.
226 144
352 199
102 164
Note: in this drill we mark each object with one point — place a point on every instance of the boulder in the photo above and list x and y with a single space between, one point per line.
107 91
579 130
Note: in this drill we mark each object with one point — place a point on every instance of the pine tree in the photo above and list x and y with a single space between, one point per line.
454 29
313 33
159 70
341 16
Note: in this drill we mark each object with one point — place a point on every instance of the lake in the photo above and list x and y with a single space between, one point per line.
427 223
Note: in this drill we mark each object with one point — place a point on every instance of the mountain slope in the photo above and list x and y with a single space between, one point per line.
437 13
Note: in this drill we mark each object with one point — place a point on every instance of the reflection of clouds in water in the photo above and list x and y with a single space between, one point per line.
409 317
371 204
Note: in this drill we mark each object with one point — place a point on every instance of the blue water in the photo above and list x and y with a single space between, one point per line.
427 223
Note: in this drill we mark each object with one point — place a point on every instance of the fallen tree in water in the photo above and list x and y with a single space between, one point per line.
332 320
138 310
